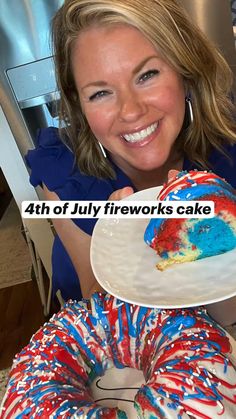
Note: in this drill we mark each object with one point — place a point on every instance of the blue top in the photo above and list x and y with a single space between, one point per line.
52 163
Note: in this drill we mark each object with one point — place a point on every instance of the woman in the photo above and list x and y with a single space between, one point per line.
142 92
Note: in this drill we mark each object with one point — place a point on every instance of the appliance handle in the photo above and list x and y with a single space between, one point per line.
39 100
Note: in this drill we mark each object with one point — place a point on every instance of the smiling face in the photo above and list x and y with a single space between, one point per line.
133 100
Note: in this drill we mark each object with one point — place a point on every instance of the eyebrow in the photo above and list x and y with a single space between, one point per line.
101 83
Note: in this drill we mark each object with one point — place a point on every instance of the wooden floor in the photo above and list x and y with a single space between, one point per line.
21 312
21 315
5 194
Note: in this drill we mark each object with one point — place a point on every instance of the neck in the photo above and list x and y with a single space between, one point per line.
157 177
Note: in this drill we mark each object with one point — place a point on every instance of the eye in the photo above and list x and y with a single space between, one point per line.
148 75
98 95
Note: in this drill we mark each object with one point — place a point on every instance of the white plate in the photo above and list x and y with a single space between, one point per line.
125 266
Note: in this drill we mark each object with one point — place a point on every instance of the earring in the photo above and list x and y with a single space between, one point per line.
189 108
102 149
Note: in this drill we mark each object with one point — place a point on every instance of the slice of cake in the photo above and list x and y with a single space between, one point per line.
178 240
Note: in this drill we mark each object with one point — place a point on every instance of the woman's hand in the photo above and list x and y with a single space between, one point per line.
172 174
121 193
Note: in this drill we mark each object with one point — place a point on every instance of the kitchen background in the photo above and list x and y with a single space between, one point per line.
28 101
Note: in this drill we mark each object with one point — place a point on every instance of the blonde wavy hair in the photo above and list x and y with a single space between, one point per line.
206 75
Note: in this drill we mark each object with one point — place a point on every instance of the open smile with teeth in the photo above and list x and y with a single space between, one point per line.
141 135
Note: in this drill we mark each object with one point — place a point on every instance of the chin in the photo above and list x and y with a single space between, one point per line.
150 166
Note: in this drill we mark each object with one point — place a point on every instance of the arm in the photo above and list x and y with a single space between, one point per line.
77 244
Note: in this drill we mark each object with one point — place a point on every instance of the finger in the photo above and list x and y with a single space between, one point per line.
127 191
121 193
172 174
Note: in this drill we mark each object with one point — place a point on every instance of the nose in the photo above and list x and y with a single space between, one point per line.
131 107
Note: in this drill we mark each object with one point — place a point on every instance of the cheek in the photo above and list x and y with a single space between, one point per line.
169 96
177 101
97 122
172 101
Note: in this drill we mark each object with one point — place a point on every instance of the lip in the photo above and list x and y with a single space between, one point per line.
139 129
146 140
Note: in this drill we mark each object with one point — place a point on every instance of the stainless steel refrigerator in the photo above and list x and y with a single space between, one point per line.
28 91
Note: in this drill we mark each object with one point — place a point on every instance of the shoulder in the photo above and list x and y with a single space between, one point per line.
51 161
222 164
225 165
